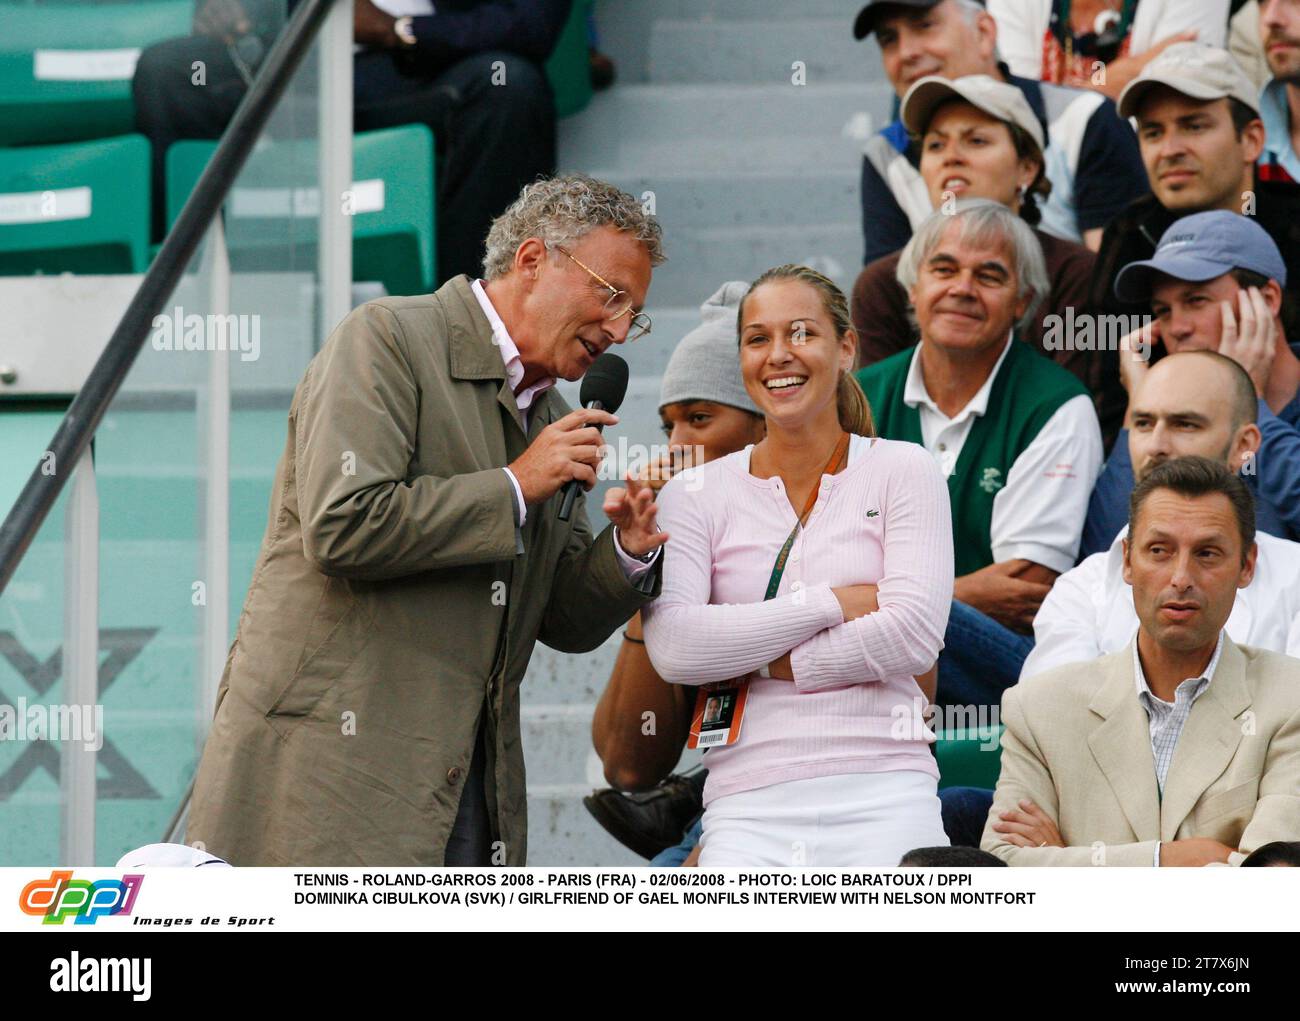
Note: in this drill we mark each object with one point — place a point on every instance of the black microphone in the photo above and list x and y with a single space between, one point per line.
603 388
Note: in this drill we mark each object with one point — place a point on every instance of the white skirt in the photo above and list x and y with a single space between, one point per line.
843 820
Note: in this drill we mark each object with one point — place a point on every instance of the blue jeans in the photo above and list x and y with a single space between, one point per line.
965 811
980 658
674 856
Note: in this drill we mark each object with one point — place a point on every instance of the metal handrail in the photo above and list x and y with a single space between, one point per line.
89 406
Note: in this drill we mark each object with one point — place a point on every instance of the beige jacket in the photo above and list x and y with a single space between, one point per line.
395 602
1077 743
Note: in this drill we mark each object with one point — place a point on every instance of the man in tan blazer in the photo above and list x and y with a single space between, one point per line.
369 712
1181 749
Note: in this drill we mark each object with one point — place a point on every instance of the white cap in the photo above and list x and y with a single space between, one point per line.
1197 71
995 98
168 856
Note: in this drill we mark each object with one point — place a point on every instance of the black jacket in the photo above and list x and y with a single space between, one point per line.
1134 235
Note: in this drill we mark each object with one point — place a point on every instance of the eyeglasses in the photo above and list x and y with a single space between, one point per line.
617 304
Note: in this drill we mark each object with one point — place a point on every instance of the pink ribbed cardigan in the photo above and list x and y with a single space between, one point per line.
853 706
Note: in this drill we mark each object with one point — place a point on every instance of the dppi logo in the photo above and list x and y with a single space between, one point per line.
60 896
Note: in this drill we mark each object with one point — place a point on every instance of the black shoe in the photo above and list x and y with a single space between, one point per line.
651 821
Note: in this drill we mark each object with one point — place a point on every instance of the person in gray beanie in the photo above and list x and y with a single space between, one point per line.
706 414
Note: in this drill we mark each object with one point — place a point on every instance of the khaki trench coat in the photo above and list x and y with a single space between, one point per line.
395 601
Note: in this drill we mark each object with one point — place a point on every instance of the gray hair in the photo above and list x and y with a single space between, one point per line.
971 11
559 211
986 223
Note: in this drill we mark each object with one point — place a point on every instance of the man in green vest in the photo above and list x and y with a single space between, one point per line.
1015 434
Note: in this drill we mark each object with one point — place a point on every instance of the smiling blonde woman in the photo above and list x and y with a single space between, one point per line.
814 568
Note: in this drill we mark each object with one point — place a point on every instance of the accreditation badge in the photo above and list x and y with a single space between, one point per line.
719 709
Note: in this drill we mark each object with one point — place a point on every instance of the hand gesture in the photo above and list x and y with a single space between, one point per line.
1250 340
1135 356
633 511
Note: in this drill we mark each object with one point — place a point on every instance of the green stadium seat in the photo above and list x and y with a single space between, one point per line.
569 66
395 243
962 760
393 222
81 208
65 70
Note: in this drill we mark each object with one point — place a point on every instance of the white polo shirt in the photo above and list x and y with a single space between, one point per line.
1038 514
1089 612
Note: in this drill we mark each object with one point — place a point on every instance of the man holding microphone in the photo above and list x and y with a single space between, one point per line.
369 711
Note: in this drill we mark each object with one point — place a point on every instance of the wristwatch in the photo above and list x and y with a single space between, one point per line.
403 30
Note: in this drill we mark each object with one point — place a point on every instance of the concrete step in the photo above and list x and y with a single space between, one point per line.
702 259
687 201
558 678
557 745
680 130
731 10
562 832
624 26
753 50
693 110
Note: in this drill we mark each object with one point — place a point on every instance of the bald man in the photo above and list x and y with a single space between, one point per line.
1193 403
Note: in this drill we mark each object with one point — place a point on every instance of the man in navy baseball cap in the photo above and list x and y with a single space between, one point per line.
1216 283
1202 247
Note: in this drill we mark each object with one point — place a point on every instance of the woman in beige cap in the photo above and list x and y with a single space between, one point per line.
980 139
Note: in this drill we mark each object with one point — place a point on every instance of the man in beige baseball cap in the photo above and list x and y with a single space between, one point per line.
1200 135
1197 71
1198 127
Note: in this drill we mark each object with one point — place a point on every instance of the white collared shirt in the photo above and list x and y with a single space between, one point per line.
514 376
510 355
1089 611
1038 515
